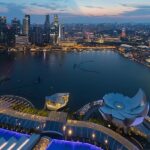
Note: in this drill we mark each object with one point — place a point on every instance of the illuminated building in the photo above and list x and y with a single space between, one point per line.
123 33
31 131
123 111
57 101
56 20
22 40
89 36
26 25
124 48
55 30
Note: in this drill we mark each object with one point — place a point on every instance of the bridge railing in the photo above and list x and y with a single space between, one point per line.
89 106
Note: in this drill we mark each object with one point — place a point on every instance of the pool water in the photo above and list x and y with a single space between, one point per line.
6 134
68 145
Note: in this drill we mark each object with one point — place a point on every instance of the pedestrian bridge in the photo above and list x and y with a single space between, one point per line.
89 108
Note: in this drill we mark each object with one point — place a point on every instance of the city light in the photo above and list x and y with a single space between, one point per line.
64 128
93 135
69 132
85 49
109 125
106 141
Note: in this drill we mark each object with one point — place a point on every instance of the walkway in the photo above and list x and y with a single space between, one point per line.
89 108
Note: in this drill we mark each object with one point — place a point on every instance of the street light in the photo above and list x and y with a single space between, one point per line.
64 128
93 135
69 132
106 141
109 125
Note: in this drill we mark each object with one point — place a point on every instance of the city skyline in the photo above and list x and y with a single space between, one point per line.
81 11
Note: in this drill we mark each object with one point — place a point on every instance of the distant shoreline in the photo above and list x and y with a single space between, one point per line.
77 48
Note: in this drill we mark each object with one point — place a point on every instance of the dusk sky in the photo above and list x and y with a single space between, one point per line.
88 11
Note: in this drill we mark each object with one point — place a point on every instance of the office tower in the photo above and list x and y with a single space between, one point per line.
3 21
9 36
55 30
29 23
37 35
56 20
3 25
47 29
62 32
123 33
115 33
26 25
16 26
59 35
47 23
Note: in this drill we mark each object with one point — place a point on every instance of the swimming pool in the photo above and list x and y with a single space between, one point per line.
69 145
6 134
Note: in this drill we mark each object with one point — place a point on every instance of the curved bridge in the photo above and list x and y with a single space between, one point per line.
89 108
13 98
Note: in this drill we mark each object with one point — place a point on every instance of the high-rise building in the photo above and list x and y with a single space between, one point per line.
62 32
16 26
26 25
47 23
47 29
123 33
37 35
56 20
55 30
29 22
3 20
10 36
3 26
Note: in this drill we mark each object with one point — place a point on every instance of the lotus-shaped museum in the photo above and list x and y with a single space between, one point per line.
124 111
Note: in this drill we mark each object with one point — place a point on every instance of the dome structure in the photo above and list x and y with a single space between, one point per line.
124 111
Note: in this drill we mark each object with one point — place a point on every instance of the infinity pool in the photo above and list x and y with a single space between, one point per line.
67 145
6 134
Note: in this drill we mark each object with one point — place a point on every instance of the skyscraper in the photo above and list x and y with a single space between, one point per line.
16 26
10 36
123 33
56 21
3 25
55 30
26 25
28 16
47 29
3 20
47 23
37 35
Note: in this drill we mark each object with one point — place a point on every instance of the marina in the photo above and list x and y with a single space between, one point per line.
54 72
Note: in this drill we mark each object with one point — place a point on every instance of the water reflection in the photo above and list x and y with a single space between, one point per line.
87 76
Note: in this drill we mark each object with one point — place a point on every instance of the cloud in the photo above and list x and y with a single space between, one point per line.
109 11
41 10
137 5
99 7
78 10
142 10
3 9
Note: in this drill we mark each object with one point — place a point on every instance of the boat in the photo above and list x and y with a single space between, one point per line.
56 101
